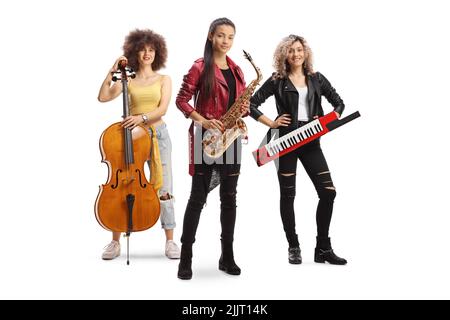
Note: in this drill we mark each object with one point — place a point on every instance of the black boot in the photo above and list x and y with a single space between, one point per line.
295 255
226 262
184 268
324 253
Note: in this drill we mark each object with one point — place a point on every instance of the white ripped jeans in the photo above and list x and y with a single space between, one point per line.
167 214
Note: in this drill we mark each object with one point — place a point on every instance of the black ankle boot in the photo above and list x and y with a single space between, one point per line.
324 253
321 255
226 262
295 255
184 268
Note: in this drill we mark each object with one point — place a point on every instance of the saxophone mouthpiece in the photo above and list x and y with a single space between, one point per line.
247 55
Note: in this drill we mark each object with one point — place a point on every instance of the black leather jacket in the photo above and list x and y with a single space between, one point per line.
286 98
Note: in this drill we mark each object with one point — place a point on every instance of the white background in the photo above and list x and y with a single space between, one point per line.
387 59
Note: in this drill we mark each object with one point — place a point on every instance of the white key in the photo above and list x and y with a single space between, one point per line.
268 150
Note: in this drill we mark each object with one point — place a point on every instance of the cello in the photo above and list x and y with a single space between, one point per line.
127 202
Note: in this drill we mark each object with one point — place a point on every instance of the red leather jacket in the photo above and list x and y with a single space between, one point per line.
212 107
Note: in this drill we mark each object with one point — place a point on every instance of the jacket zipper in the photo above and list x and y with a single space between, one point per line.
215 106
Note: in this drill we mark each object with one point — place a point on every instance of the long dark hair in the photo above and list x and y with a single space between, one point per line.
207 76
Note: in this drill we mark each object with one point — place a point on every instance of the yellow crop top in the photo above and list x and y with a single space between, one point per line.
144 99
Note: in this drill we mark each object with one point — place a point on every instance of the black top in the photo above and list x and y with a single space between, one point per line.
231 82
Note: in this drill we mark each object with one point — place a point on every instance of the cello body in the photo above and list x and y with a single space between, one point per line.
111 206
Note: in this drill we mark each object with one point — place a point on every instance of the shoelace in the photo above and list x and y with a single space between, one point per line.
110 246
171 246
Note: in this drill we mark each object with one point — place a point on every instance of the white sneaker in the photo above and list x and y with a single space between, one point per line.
172 250
112 250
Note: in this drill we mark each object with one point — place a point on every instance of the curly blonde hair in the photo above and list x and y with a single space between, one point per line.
282 68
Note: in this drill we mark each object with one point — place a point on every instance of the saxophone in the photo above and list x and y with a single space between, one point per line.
215 142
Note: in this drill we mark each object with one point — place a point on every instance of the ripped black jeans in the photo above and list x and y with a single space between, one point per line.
201 182
313 160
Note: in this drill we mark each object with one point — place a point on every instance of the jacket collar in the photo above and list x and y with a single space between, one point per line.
289 86
219 76
235 69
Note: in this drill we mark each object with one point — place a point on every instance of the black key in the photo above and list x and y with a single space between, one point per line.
289 143
307 133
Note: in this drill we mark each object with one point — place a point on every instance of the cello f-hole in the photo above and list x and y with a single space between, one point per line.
114 186
143 185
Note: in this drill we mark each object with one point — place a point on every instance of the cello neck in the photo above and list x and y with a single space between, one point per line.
128 139
126 103
125 72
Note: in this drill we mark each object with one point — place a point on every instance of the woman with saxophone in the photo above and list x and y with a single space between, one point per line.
297 90
216 82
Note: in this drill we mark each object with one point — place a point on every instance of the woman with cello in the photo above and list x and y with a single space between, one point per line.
149 92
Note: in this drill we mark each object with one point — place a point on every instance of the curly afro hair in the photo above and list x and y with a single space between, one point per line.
136 40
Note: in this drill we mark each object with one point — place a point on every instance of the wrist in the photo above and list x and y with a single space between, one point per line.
144 119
